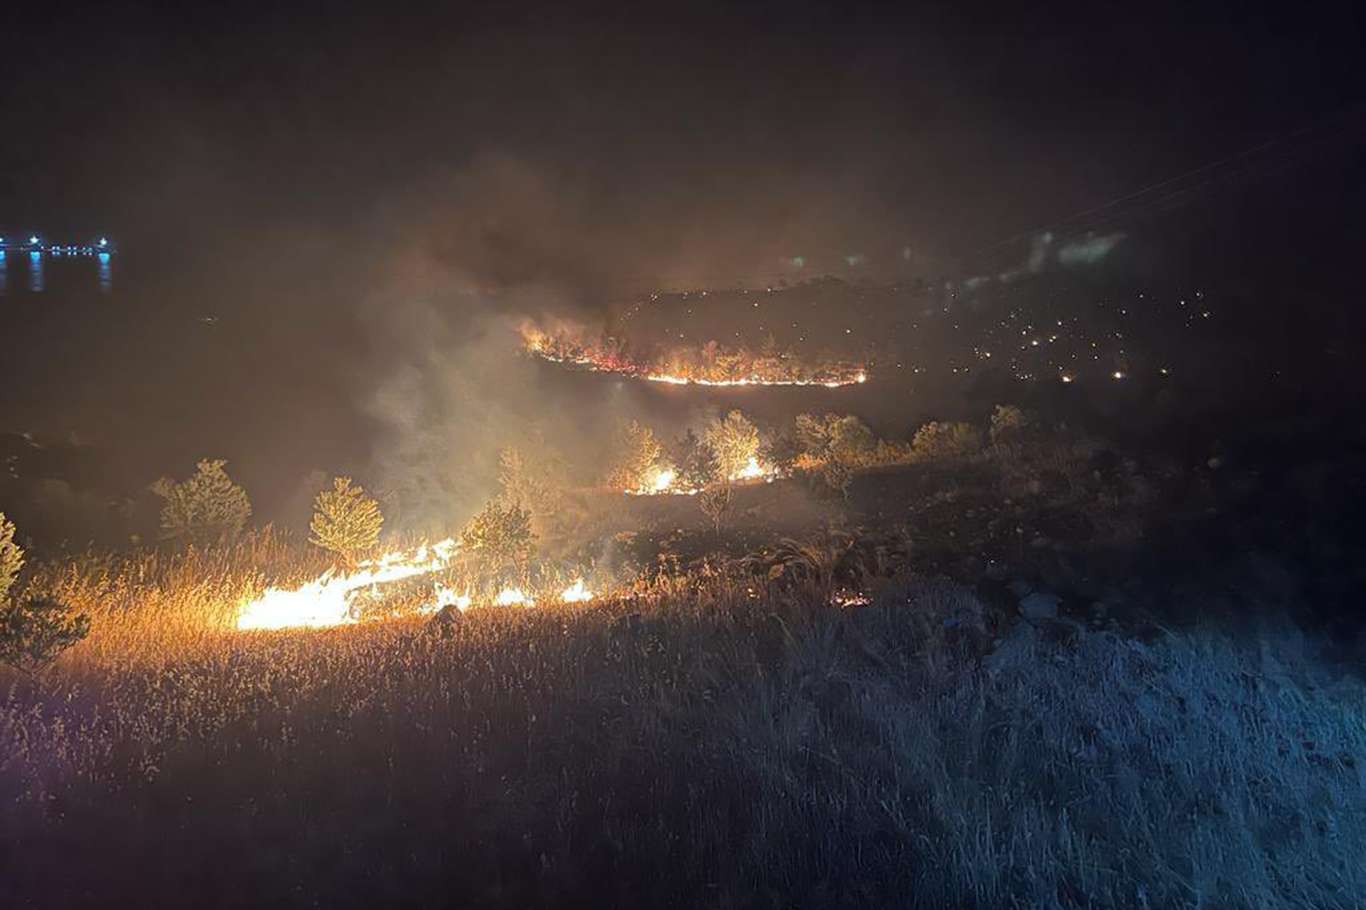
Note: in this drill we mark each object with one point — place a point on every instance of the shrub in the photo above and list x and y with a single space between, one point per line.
735 441
499 535
812 435
945 440
697 464
851 441
346 521
1009 422
846 439
35 630
11 556
782 451
715 503
636 454
837 475
207 508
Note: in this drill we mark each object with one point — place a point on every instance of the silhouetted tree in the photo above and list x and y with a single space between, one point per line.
34 631
207 508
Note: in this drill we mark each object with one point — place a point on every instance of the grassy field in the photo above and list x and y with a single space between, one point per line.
717 739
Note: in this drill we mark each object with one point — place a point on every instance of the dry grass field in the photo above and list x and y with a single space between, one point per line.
714 739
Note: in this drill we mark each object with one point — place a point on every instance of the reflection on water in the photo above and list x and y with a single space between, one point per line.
59 269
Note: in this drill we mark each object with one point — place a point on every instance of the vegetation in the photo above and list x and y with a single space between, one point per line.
715 503
346 521
735 442
697 463
636 456
1009 423
852 756
11 557
499 536
206 508
786 720
936 440
33 631
711 362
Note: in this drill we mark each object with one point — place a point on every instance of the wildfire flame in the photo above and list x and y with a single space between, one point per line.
445 596
576 593
751 471
513 597
563 349
327 600
664 480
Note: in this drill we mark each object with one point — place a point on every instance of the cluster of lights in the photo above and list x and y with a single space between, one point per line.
34 243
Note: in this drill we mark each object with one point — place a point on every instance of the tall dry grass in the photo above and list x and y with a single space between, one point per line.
715 739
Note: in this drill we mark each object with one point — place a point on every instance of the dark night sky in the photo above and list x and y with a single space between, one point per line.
941 128
542 157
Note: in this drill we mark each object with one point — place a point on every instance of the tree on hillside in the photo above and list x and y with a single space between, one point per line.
812 435
535 477
735 441
35 630
346 521
11 556
207 508
781 450
697 465
851 442
1009 423
945 440
500 535
635 457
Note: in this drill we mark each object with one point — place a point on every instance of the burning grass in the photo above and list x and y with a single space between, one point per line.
708 740
710 365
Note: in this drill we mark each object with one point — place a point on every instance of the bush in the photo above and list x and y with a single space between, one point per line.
946 440
735 441
499 536
851 441
11 556
697 464
635 458
846 439
715 503
837 475
812 435
346 521
1009 422
207 508
35 630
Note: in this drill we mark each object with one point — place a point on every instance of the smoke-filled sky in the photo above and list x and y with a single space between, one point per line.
325 210
638 145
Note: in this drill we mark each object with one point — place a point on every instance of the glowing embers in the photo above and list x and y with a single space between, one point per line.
847 598
709 367
328 600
